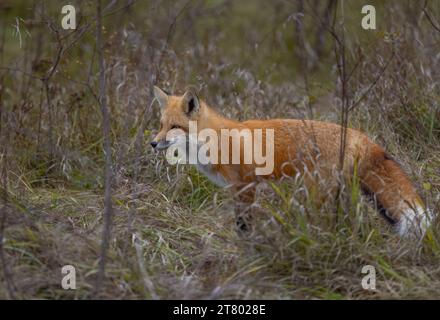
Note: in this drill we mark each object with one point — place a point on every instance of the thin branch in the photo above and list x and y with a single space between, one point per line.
108 171
428 16
376 80
168 38
4 139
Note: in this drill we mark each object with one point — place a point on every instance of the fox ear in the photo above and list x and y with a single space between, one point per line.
191 103
160 96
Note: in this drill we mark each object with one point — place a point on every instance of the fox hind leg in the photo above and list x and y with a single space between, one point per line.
243 210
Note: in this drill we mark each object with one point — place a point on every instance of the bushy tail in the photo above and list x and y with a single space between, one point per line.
396 197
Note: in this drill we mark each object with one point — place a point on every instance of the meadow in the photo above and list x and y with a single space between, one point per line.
172 231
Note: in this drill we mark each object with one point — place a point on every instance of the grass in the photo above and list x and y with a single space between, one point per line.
184 246
173 233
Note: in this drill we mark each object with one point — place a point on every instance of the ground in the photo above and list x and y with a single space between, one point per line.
173 234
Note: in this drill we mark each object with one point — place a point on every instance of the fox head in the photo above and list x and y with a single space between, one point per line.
176 112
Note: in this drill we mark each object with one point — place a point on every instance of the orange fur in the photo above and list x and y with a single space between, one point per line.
301 147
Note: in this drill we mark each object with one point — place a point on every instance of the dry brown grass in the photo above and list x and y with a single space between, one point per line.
173 234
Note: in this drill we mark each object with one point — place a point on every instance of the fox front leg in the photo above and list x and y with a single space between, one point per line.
243 218
243 211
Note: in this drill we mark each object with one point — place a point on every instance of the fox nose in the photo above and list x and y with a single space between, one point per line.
153 144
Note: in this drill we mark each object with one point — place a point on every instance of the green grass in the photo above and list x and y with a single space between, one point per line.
173 234
188 248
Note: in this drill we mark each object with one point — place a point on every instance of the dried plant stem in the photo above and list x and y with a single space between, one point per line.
108 172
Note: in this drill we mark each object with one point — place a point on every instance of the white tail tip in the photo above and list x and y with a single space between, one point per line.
414 222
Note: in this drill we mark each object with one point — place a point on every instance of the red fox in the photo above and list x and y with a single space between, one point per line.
300 147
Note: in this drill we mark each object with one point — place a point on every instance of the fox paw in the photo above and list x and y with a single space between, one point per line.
244 227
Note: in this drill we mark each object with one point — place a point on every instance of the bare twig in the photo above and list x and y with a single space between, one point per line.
108 172
301 51
170 33
7 274
375 81
320 35
339 51
4 140
428 16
